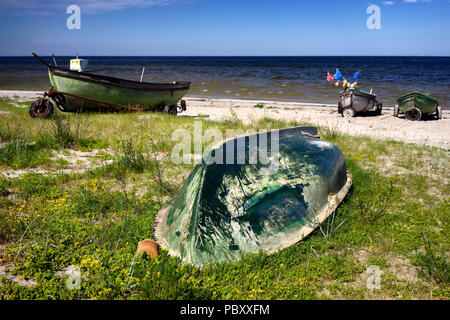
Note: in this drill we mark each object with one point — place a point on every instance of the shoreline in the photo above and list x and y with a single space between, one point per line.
195 96
433 133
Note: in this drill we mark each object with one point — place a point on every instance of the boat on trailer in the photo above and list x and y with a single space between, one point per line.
415 104
77 91
353 101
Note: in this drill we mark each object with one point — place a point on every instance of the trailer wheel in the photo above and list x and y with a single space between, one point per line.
59 99
339 107
439 112
413 115
379 108
348 112
171 109
395 110
41 109
182 106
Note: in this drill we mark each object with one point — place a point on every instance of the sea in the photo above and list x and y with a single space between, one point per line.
301 79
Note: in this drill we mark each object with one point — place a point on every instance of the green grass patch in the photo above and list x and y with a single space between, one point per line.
94 220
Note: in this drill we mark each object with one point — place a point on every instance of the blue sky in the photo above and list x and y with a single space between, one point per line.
225 27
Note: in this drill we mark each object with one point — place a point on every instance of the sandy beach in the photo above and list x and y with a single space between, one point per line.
425 132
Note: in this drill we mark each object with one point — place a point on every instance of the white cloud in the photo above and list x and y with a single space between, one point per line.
87 6
388 3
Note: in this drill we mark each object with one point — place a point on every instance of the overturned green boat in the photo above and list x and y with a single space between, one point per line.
74 91
226 210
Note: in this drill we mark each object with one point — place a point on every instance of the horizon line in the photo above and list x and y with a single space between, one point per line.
235 56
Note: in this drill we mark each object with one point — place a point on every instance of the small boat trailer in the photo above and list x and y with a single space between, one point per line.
353 101
415 104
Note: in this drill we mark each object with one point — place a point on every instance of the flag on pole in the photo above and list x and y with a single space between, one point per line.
330 78
356 75
338 75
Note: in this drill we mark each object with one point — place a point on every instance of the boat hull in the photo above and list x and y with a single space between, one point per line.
426 104
226 210
359 100
81 90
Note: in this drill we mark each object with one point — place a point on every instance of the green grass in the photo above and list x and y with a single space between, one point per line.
394 217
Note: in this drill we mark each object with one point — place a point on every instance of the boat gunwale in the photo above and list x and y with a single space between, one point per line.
415 93
117 82
358 92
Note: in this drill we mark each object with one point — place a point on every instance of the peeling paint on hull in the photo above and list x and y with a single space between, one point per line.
226 210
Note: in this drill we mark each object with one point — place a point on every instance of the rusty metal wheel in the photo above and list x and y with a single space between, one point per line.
413 115
171 109
41 108
348 112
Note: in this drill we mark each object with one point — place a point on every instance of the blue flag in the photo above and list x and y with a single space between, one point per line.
356 75
338 75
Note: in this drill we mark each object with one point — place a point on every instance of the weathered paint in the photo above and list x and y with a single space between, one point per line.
359 100
226 210
114 94
424 103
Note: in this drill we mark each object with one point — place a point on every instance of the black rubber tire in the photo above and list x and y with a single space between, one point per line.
171 109
339 107
413 115
348 112
395 112
44 111
379 108
438 112
183 105
60 100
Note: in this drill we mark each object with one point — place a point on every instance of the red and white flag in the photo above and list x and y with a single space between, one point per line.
330 77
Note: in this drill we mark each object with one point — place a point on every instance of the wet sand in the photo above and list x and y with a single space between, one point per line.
428 132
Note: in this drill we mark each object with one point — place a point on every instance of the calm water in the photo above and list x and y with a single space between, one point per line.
275 78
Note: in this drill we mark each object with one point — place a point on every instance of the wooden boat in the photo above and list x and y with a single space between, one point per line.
415 104
226 210
353 101
75 91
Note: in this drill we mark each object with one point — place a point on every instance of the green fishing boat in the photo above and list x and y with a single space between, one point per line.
226 210
415 104
74 91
